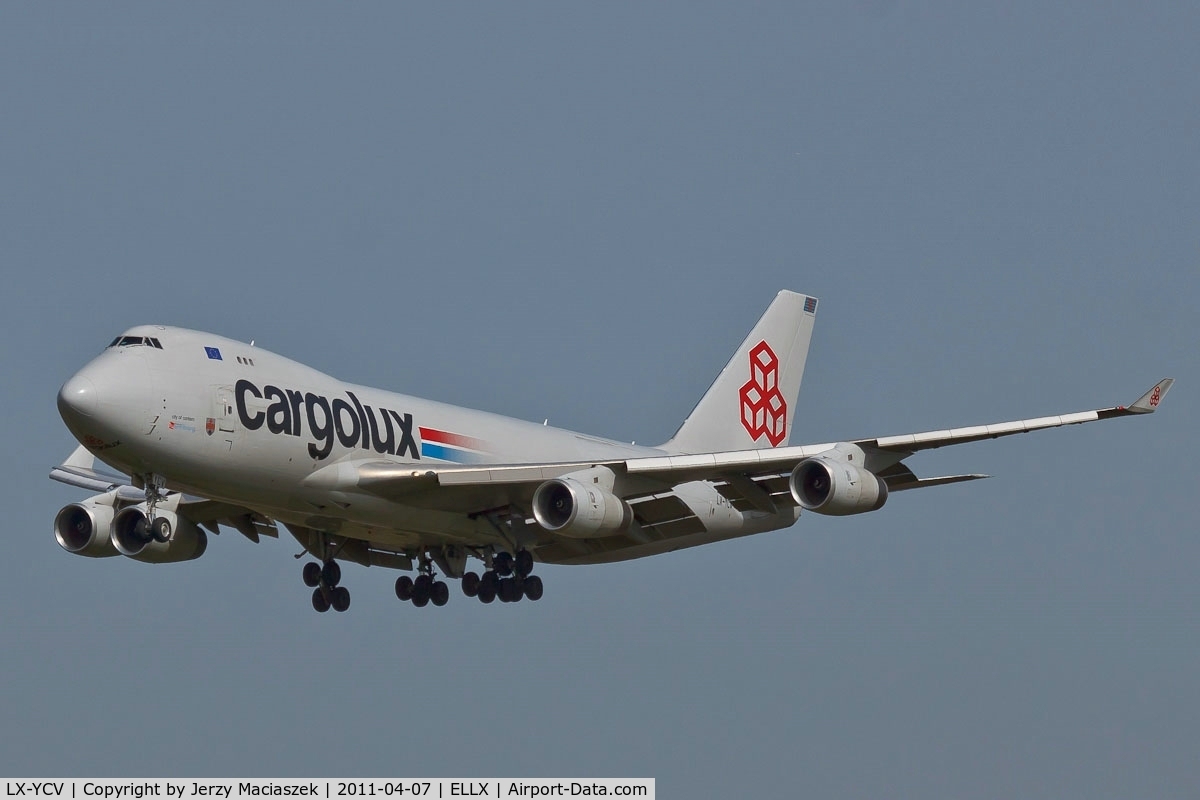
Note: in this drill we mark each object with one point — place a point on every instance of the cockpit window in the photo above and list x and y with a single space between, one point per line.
129 341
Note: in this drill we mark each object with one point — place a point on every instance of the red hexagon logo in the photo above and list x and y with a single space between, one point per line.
764 411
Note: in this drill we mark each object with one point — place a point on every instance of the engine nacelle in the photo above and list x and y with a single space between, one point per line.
84 529
836 487
580 510
167 538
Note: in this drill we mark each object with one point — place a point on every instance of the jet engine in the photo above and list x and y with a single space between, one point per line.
84 528
580 510
167 538
836 487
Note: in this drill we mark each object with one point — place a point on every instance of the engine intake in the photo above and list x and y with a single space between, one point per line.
84 529
165 539
836 488
580 510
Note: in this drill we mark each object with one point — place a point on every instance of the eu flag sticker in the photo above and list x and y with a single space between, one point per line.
213 353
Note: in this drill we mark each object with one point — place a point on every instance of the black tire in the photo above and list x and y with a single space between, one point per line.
510 590
312 574
488 585
331 573
503 564
320 602
160 530
439 593
404 588
141 529
341 599
524 563
533 588
422 588
470 584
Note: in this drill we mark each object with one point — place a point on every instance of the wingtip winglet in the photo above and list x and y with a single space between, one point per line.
1150 401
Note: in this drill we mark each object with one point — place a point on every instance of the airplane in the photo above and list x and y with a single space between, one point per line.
209 432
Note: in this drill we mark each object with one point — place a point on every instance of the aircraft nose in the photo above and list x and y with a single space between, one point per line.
78 396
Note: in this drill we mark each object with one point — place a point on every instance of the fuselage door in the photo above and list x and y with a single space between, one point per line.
223 410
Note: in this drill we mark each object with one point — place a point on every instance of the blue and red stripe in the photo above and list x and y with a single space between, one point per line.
447 446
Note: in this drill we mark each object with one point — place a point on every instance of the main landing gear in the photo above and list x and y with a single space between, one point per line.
425 589
324 579
508 580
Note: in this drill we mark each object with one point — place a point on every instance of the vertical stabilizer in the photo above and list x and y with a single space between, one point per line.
752 402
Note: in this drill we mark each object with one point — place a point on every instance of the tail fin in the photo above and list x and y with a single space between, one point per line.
753 400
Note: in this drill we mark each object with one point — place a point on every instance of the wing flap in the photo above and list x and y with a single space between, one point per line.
921 483
657 510
899 478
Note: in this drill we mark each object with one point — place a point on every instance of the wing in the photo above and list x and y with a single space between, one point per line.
749 479
80 470
911 443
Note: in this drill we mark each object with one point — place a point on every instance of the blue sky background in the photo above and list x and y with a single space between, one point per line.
576 211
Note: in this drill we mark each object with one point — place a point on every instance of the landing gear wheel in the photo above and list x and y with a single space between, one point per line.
533 587
341 599
320 602
470 584
510 590
404 588
524 563
439 593
487 587
312 574
160 530
503 564
421 591
141 530
331 573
